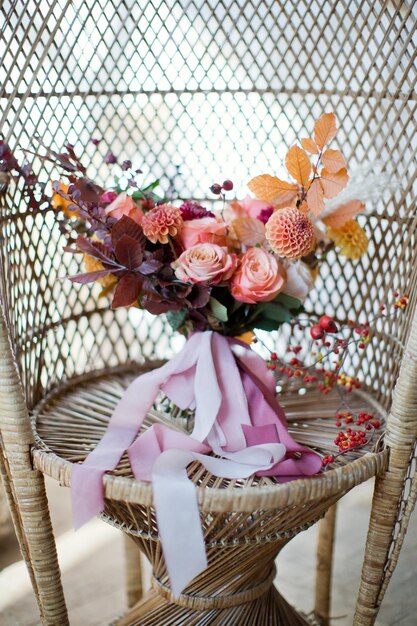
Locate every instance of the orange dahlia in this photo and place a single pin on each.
(351, 238)
(162, 222)
(290, 233)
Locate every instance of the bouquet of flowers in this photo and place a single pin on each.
(217, 274)
(247, 265)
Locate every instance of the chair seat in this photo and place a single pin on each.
(71, 420)
(245, 523)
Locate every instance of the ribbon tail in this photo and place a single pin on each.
(178, 519)
(125, 423)
(87, 498)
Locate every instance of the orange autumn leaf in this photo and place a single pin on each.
(249, 230)
(315, 198)
(325, 129)
(298, 165)
(333, 160)
(343, 214)
(309, 145)
(271, 189)
(333, 182)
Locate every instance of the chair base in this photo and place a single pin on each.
(271, 609)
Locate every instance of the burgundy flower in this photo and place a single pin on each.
(265, 214)
(194, 211)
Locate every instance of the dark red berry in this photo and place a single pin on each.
(316, 332)
(328, 324)
(95, 141)
(110, 158)
(216, 189)
(227, 185)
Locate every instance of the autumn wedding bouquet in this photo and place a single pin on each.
(218, 275)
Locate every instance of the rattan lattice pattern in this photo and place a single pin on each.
(221, 92)
(202, 89)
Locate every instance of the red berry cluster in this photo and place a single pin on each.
(349, 439)
(326, 325)
(345, 416)
(328, 381)
(363, 331)
(327, 459)
(217, 189)
(402, 302)
(368, 419)
(348, 382)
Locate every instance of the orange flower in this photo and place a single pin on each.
(162, 222)
(351, 238)
(290, 233)
(58, 202)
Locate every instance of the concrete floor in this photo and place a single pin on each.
(93, 576)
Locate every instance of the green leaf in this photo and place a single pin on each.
(177, 318)
(264, 324)
(219, 310)
(151, 186)
(288, 301)
(277, 313)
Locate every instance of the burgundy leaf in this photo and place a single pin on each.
(129, 252)
(127, 290)
(94, 249)
(88, 190)
(157, 306)
(89, 277)
(199, 296)
(71, 250)
(127, 226)
(150, 266)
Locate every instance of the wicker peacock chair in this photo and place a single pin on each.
(204, 88)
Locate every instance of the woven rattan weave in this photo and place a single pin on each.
(200, 89)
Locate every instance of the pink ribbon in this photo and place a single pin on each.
(236, 416)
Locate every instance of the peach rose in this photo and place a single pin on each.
(205, 262)
(124, 205)
(259, 277)
(204, 230)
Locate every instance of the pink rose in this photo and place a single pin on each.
(259, 277)
(204, 230)
(205, 263)
(124, 205)
(254, 207)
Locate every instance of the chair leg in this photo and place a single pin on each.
(387, 528)
(324, 566)
(25, 488)
(30, 514)
(134, 577)
(16, 519)
(392, 502)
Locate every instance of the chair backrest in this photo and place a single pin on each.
(210, 91)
